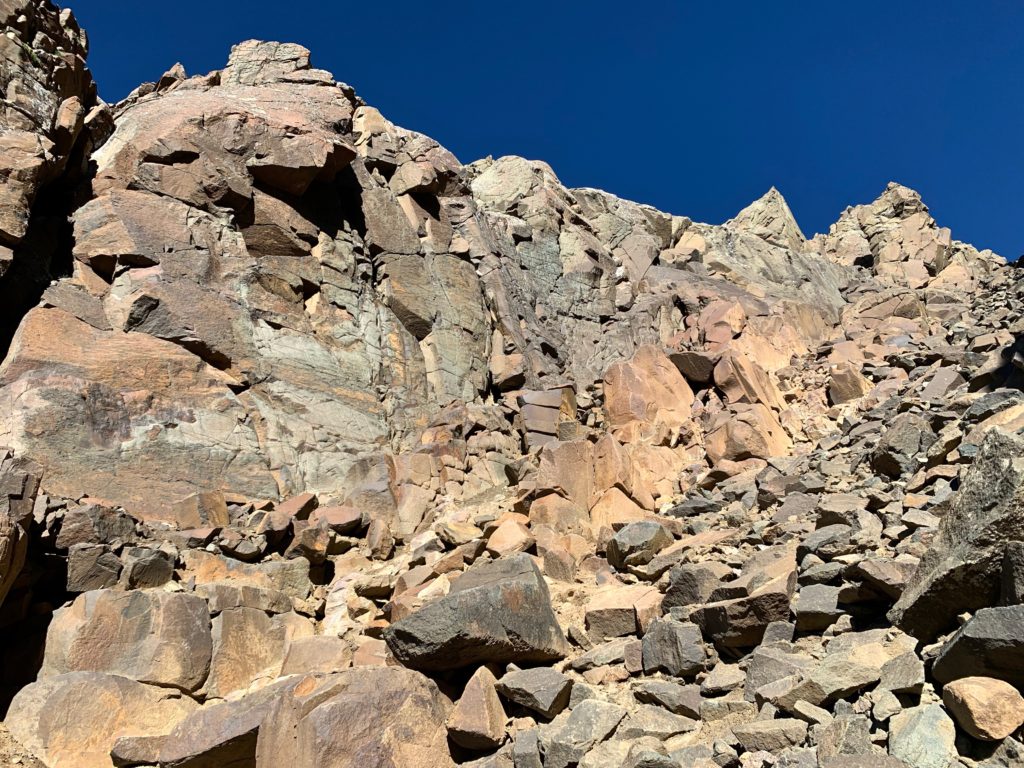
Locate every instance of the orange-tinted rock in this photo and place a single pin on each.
(646, 398)
(745, 432)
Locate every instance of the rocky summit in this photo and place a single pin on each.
(322, 448)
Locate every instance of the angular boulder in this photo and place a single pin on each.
(156, 637)
(73, 720)
(990, 644)
(498, 611)
(370, 717)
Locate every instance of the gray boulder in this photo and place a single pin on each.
(962, 570)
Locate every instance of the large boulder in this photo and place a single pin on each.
(962, 569)
(498, 611)
(73, 720)
(383, 717)
(222, 734)
(151, 636)
(989, 645)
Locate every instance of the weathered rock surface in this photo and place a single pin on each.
(74, 719)
(299, 403)
(962, 570)
(161, 638)
(498, 611)
(378, 718)
(985, 708)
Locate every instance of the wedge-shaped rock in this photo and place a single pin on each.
(371, 717)
(151, 636)
(497, 611)
(73, 720)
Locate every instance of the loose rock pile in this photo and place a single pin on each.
(328, 450)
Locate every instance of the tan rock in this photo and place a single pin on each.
(151, 636)
(390, 717)
(847, 383)
(250, 647)
(73, 720)
(620, 611)
(746, 431)
(646, 398)
(744, 381)
(986, 708)
(510, 537)
(478, 720)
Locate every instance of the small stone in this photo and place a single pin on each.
(770, 735)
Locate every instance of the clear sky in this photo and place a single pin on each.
(694, 107)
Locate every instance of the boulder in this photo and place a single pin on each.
(646, 398)
(962, 568)
(985, 708)
(923, 737)
(498, 611)
(250, 647)
(543, 689)
(988, 645)
(478, 720)
(571, 735)
(376, 717)
(151, 636)
(221, 734)
(73, 720)
(637, 543)
(673, 647)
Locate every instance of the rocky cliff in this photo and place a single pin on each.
(323, 448)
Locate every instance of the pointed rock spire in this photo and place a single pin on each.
(770, 219)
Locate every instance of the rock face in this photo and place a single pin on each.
(20, 482)
(326, 448)
(498, 612)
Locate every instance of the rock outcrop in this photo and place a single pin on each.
(325, 448)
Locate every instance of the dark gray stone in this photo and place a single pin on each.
(963, 568)
(680, 699)
(673, 647)
(991, 644)
(637, 543)
(497, 611)
(92, 566)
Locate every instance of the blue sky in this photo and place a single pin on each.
(694, 107)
